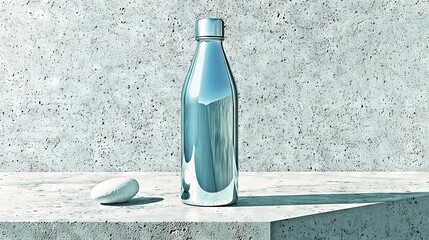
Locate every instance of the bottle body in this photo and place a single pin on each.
(209, 129)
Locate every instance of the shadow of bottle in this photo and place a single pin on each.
(315, 199)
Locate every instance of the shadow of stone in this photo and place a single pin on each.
(137, 201)
(315, 199)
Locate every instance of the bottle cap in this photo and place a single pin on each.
(209, 27)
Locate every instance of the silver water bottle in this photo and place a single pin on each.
(209, 122)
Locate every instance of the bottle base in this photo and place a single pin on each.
(219, 204)
(198, 197)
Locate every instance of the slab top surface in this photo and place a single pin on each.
(263, 197)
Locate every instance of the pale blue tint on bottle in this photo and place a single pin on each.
(209, 123)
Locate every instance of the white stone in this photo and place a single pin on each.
(115, 190)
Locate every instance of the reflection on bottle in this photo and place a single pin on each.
(209, 123)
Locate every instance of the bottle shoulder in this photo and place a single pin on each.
(209, 77)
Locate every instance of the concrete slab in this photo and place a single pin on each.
(279, 205)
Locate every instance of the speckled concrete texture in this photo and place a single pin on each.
(133, 230)
(404, 219)
(276, 205)
(323, 85)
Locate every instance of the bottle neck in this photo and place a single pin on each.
(211, 43)
(209, 39)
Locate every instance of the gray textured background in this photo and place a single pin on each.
(95, 85)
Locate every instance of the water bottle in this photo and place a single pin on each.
(209, 160)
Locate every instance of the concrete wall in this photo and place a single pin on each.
(95, 85)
